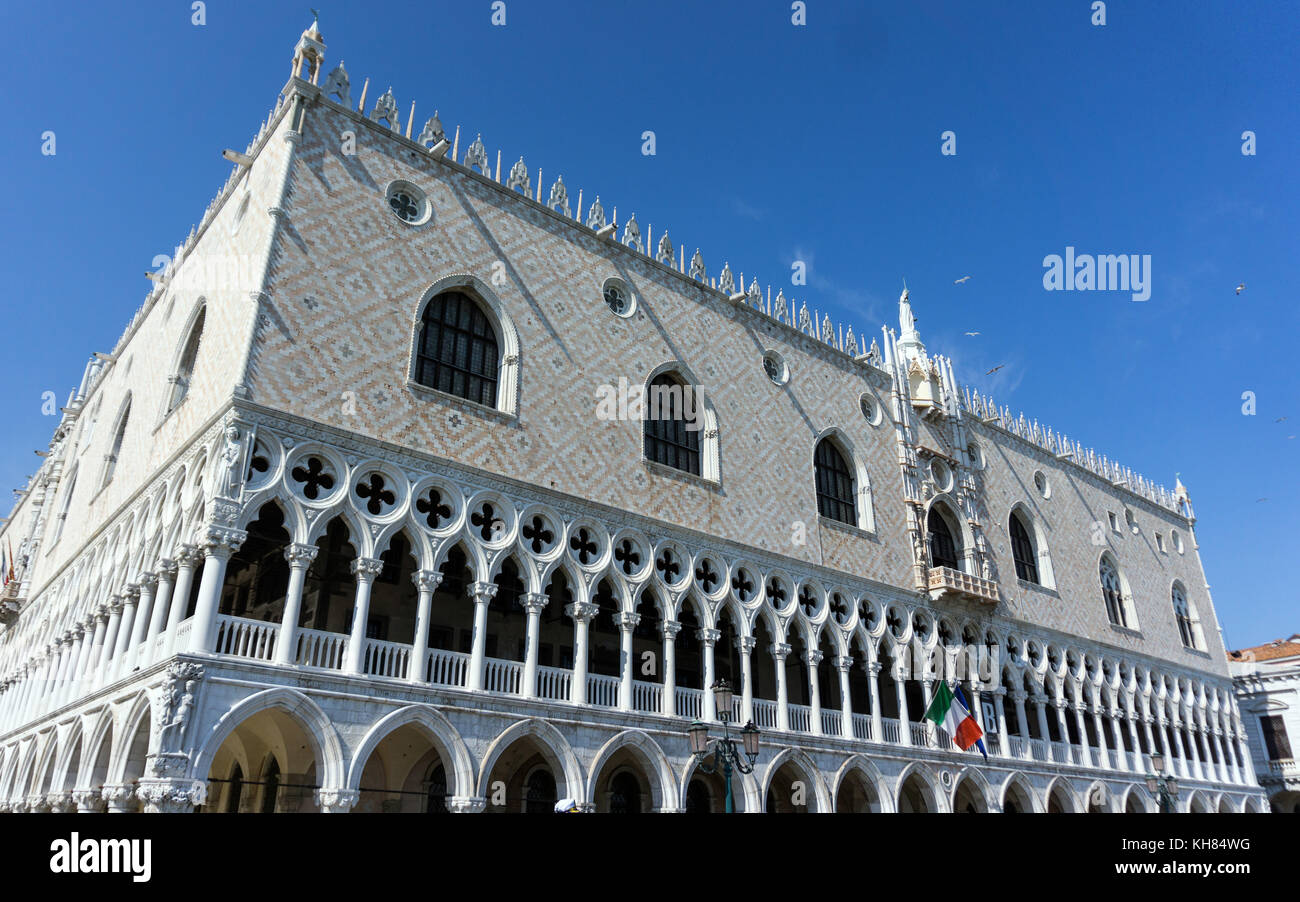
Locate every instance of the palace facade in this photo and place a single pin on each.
(354, 518)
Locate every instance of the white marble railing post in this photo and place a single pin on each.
(534, 603)
(999, 706)
(426, 582)
(365, 569)
(1022, 721)
(219, 543)
(300, 558)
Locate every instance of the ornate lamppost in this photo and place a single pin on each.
(725, 755)
(1165, 788)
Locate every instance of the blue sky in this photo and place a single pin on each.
(775, 143)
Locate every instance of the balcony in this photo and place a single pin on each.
(954, 583)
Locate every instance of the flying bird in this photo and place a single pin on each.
(1241, 287)
(995, 369)
(1279, 419)
(962, 279)
(1258, 500)
(972, 333)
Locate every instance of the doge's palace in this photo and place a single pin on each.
(420, 484)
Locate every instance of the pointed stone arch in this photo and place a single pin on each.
(1061, 789)
(553, 746)
(811, 772)
(306, 713)
(1018, 784)
(973, 776)
(749, 795)
(663, 785)
(937, 800)
(862, 767)
(445, 737)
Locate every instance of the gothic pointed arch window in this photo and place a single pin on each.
(943, 546)
(119, 433)
(65, 505)
(457, 350)
(1118, 607)
(1022, 549)
(1189, 626)
(836, 488)
(672, 424)
(180, 379)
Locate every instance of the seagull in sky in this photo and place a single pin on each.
(1279, 419)
(962, 279)
(1241, 286)
(972, 334)
(995, 369)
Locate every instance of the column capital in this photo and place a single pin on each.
(337, 801)
(148, 581)
(426, 580)
(581, 610)
(746, 644)
(88, 800)
(466, 804)
(188, 555)
(671, 628)
(627, 621)
(166, 568)
(780, 649)
(1000, 691)
(301, 555)
(483, 592)
(534, 602)
(815, 657)
(131, 593)
(222, 541)
(118, 796)
(708, 636)
(169, 796)
(366, 568)
(843, 663)
(78, 631)
(874, 668)
(115, 605)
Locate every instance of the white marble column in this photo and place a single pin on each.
(482, 593)
(219, 543)
(708, 639)
(779, 652)
(873, 684)
(1022, 721)
(670, 630)
(426, 583)
(745, 645)
(534, 603)
(110, 641)
(814, 693)
(365, 569)
(581, 612)
(300, 557)
(187, 562)
(161, 604)
(627, 665)
(842, 664)
(143, 611)
(999, 705)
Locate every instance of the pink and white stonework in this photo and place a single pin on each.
(491, 606)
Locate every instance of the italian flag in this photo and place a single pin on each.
(949, 712)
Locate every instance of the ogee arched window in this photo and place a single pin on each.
(1022, 549)
(835, 488)
(672, 424)
(457, 352)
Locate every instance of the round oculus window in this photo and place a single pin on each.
(408, 203)
(774, 366)
(618, 298)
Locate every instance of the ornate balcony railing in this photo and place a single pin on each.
(831, 721)
(690, 703)
(502, 676)
(387, 659)
(947, 581)
(764, 714)
(648, 697)
(245, 638)
(1283, 767)
(602, 690)
(800, 718)
(862, 726)
(447, 668)
(553, 683)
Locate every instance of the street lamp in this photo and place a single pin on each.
(725, 755)
(1165, 788)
